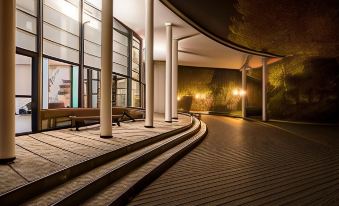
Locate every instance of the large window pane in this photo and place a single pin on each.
(135, 94)
(61, 29)
(121, 91)
(29, 6)
(60, 51)
(26, 24)
(23, 94)
(59, 84)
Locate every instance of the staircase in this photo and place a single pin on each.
(110, 179)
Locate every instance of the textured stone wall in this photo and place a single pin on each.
(304, 89)
(208, 89)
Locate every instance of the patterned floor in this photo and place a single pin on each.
(248, 163)
(43, 153)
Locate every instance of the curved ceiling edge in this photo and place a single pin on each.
(214, 37)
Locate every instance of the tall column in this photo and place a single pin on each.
(106, 69)
(243, 93)
(264, 89)
(168, 92)
(174, 79)
(149, 63)
(7, 80)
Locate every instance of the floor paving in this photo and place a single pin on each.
(248, 163)
(43, 153)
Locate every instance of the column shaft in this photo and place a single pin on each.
(168, 89)
(175, 79)
(7, 80)
(243, 97)
(106, 69)
(264, 89)
(149, 5)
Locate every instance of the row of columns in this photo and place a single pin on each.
(264, 90)
(7, 74)
(171, 72)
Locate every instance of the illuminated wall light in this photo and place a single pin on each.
(197, 96)
(238, 92)
(178, 98)
(235, 92)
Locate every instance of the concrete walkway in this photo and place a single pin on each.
(41, 154)
(248, 163)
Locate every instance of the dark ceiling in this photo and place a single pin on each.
(282, 28)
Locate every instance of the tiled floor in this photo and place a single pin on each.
(43, 153)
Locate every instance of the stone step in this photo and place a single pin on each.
(46, 183)
(123, 190)
(77, 190)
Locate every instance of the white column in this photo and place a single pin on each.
(243, 87)
(174, 79)
(168, 82)
(106, 69)
(149, 63)
(7, 80)
(264, 89)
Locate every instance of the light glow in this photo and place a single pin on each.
(238, 92)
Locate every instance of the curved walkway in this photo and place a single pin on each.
(247, 163)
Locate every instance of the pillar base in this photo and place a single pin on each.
(7, 160)
(106, 137)
(175, 118)
(148, 126)
(168, 121)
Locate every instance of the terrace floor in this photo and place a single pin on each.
(41, 154)
(250, 163)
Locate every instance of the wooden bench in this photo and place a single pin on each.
(80, 121)
(55, 118)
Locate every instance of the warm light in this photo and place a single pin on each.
(242, 92)
(178, 98)
(238, 92)
(200, 96)
(235, 92)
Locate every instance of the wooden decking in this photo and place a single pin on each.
(246, 163)
(41, 154)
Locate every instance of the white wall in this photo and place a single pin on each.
(159, 86)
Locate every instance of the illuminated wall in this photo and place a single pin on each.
(304, 89)
(208, 89)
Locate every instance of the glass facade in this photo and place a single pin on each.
(69, 40)
(23, 94)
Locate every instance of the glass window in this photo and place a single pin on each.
(61, 29)
(57, 84)
(135, 94)
(23, 94)
(29, 6)
(121, 91)
(92, 42)
(136, 58)
(26, 24)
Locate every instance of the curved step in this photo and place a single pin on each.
(122, 191)
(76, 190)
(39, 186)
